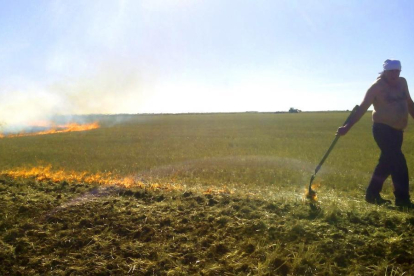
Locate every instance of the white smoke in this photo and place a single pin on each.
(109, 91)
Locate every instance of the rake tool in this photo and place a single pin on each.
(311, 193)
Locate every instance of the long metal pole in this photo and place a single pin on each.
(331, 147)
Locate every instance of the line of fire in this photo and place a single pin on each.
(52, 129)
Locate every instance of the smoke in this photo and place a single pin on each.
(110, 91)
(115, 89)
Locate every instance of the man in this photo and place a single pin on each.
(392, 103)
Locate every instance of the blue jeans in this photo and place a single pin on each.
(391, 162)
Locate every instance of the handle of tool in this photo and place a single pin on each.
(334, 141)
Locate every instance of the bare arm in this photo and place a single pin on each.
(363, 107)
(410, 102)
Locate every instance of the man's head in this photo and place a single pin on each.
(392, 64)
(392, 69)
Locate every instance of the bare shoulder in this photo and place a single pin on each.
(372, 93)
(403, 81)
(377, 86)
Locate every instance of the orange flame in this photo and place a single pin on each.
(71, 127)
(315, 186)
(213, 191)
(45, 173)
(312, 196)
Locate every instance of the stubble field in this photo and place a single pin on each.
(206, 194)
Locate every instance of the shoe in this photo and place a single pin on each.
(377, 200)
(406, 203)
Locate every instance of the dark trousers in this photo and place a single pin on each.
(391, 162)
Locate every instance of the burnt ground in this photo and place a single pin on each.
(77, 229)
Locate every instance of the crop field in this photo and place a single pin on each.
(200, 194)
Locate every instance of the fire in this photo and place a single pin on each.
(315, 186)
(45, 173)
(212, 191)
(312, 194)
(71, 127)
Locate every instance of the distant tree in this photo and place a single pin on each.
(294, 110)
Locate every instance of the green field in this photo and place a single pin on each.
(259, 226)
(254, 151)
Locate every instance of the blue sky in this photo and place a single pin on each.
(162, 56)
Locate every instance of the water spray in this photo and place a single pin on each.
(311, 194)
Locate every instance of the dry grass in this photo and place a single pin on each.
(79, 229)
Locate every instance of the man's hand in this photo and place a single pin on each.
(342, 130)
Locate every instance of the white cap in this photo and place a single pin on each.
(392, 64)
